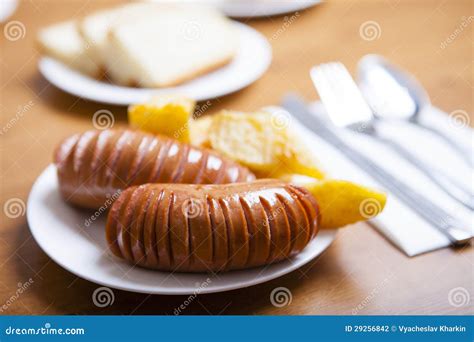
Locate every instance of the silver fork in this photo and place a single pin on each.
(432, 213)
(347, 107)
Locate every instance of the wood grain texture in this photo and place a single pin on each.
(361, 273)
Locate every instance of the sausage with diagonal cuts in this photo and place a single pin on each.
(93, 167)
(209, 228)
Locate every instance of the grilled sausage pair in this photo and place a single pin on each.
(183, 227)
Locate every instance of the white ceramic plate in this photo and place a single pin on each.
(252, 60)
(60, 231)
(262, 8)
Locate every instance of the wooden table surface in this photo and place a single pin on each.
(361, 273)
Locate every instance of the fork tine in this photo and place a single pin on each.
(340, 95)
(324, 88)
(355, 101)
(341, 91)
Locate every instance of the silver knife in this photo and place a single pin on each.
(438, 217)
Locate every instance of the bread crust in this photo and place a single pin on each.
(191, 76)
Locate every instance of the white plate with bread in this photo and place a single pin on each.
(129, 53)
(82, 249)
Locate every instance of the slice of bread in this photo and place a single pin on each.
(169, 44)
(95, 27)
(63, 42)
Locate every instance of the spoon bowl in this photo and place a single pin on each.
(394, 94)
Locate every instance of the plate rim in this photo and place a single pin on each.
(264, 10)
(44, 60)
(183, 291)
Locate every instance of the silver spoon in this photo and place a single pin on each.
(394, 94)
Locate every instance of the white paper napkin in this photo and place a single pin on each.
(401, 225)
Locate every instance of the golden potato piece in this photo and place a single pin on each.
(341, 202)
(167, 115)
(255, 141)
